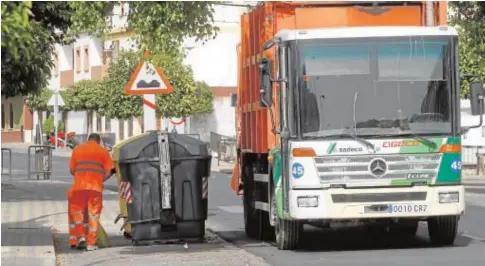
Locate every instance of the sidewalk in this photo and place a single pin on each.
(33, 210)
(24, 146)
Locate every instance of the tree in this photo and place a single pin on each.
(16, 29)
(84, 95)
(26, 67)
(38, 102)
(189, 97)
(159, 26)
(114, 103)
(469, 17)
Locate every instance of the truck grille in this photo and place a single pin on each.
(394, 166)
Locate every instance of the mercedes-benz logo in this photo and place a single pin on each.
(378, 167)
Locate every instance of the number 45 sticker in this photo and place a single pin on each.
(456, 165)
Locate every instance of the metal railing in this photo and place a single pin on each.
(473, 156)
(42, 162)
(9, 172)
(223, 146)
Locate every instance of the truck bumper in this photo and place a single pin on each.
(377, 203)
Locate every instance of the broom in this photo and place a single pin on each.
(102, 237)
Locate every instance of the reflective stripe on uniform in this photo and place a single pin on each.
(72, 226)
(94, 217)
(79, 222)
(93, 229)
(89, 170)
(72, 238)
(83, 166)
(90, 162)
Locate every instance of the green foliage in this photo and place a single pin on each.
(469, 17)
(48, 125)
(188, 98)
(16, 29)
(84, 95)
(26, 66)
(38, 101)
(159, 26)
(114, 103)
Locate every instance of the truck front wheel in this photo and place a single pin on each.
(443, 229)
(288, 233)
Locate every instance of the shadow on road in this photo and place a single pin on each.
(319, 240)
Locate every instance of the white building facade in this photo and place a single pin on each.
(88, 58)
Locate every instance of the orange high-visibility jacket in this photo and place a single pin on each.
(90, 163)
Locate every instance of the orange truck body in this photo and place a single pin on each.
(253, 123)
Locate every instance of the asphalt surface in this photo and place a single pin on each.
(320, 247)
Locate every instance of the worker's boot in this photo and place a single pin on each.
(81, 243)
(91, 247)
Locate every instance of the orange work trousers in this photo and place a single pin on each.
(72, 235)
(93, 201)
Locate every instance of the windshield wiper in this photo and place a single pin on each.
(431, 144)
(404, 125)
(360, 140)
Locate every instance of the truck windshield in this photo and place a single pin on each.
(375, 87)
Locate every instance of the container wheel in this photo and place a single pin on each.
(288, 233)
(443, 229)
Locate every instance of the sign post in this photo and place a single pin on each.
(148, 80)
(56, 101)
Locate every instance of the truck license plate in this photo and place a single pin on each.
(407, 208)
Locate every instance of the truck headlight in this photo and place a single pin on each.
(449, 197)
(308, 201)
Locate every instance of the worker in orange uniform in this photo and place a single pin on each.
(72, 235)
(90, 165)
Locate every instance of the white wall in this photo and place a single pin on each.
(221, 121)
(95, 52)
(215, 61)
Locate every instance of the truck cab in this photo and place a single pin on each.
(356, 124)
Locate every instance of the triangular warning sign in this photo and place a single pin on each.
(148, 79)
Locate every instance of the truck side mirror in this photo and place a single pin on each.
(477, 93)
(266, 88)
(233, 99)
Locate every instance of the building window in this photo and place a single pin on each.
(107, 124)
(130, 127)
(3, 116)
(56, 64)
(464, 136)
(77, 60)
(99, 123)
(86, 59)
(10, 118)
(122, 9)
(483, 132)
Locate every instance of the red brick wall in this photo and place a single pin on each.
(28, 118)
(11, 136)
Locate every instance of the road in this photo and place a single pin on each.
(329, 248)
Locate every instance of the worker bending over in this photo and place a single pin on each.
(90, 165)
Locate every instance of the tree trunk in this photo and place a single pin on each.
(90, 121)
(39, 130)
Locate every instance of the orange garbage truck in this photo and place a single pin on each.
(347, 114)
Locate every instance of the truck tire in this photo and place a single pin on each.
(443, 229)
(251, 215)
(288, 233)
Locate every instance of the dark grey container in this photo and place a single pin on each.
(190, 163)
